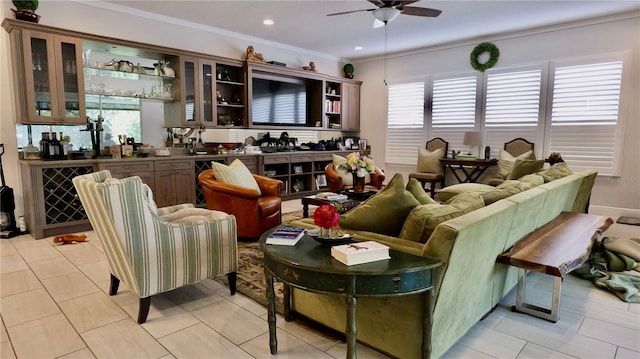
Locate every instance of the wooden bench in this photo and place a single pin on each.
(556, 249)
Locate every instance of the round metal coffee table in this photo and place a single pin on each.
(309, 266)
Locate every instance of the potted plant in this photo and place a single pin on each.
(25, 10)
(348, 71)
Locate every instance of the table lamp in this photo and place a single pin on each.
(471, 139)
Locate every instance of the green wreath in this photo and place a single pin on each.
(493, 51)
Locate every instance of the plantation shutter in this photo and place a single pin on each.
(454, 109)
(585, 115)
(513, 108)
(405, 122)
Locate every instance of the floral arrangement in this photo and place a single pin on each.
(358, 163)
(326, 216)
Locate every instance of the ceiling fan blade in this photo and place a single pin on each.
(349, 12)
(420, 11)
(391, 3)
(378, 3)
(377, 24)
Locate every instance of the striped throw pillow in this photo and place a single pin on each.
(236, 174)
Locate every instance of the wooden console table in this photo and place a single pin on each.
(556, 249)
(472, 168)
(309, 266)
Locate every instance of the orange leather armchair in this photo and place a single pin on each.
(254, 214)
(336, 184)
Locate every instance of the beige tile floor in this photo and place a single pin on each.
(54, 304)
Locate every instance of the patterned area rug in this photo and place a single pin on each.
(250, 281)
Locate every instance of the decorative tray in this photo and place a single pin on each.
(332, 241)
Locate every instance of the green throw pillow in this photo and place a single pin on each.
(533, 179)
(498, 194)
(447, 193)
(506, 161)
(522, 167)
(416, 189)
(383, 213)
(424, 219)
(555, 172)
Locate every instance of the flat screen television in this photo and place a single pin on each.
(278, 102)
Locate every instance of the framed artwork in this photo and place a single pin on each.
(362, 144)
(321, 181)
(297, 169)
(349, 142)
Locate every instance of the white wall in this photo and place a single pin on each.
(133, 26)
(621, 33)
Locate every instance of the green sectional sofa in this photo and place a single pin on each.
(467, 286)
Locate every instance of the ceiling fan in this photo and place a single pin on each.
(390, 9)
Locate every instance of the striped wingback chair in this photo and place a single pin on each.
(154, 250)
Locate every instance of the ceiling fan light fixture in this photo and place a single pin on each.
(386, 14)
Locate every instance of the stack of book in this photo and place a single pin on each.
(330, 196)
(360, 252)
(286, 236)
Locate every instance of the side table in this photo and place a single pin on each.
(310, 267)
(472, 168)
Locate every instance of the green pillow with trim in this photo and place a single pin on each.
(555, 172)
(447, 193)
(385, 212)
(424, 219)
(522, 167)
(415, 187)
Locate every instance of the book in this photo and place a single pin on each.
(286, 236)
(330, 196)
(360, 252)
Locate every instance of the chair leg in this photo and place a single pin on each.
(433, 189)
(231, 277)
(143, 312)
(115, 283)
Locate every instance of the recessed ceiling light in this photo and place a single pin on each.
(267, 22)
(358, 48)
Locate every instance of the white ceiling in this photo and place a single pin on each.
(304, 24)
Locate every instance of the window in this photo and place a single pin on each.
(567, 106)
(513, 107)
(405, 119)
(454, 108)
(584, 120)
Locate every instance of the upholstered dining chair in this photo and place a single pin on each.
(255, 211)
(154, 250)
(430, 170)
(512, 149)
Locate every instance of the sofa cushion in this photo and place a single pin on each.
(498, 193)
(523, 167)
(383, 213)
(429, 161)
(187, 215)
(235, 174)
(447, 193)
(418, 192)
(347, 177)
(424, 219)
(555, 172)
(506, 160)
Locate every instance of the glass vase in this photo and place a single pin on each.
(325, 232)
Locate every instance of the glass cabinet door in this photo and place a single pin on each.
(39, 76)
(209, 106)
(189, 80)
(69, 70)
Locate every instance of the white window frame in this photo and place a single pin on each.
(616, 166)
(411, 137)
